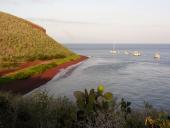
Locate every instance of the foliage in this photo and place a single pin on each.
(92, 101)
(28, 72)
(36, 111)
(99, 109)
(5, 112)
(163, 121)
(39, 110)
(125, 107)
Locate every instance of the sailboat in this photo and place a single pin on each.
(157, 55)
(113, 51)
(136, 53)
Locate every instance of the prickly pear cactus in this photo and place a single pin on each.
(100, 89)
(93, 101)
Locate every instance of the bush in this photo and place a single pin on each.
(36, 111)
(5, 112)
(40, 110)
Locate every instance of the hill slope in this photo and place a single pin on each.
(21, 40)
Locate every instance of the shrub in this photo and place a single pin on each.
(39, 110)
(36, 111)
(125, 107)
(163, 121)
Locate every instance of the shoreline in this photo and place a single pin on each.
(24, 86)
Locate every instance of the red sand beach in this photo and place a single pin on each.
(27, 85)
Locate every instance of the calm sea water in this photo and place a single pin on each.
(137, 79)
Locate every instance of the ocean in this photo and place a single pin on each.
(135, 78)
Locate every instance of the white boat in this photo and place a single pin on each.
(113, 51)
(136, 53)
(157, 55)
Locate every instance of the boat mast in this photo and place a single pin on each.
(114, 45)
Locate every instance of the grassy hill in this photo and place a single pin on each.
(21, 40)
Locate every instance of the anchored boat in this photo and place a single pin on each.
(136, 53)
(157, 55)
(113, 51)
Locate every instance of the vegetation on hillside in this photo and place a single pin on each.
(34, 70)
(21, 40)
(93, 109)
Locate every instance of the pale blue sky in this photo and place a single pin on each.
(97, 21)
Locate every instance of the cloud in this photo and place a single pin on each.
(41, 1)
(8, 2)
(61, 21)
(18, 2)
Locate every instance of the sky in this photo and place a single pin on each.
(97, 21)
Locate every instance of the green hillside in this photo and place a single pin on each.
(21, 40)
